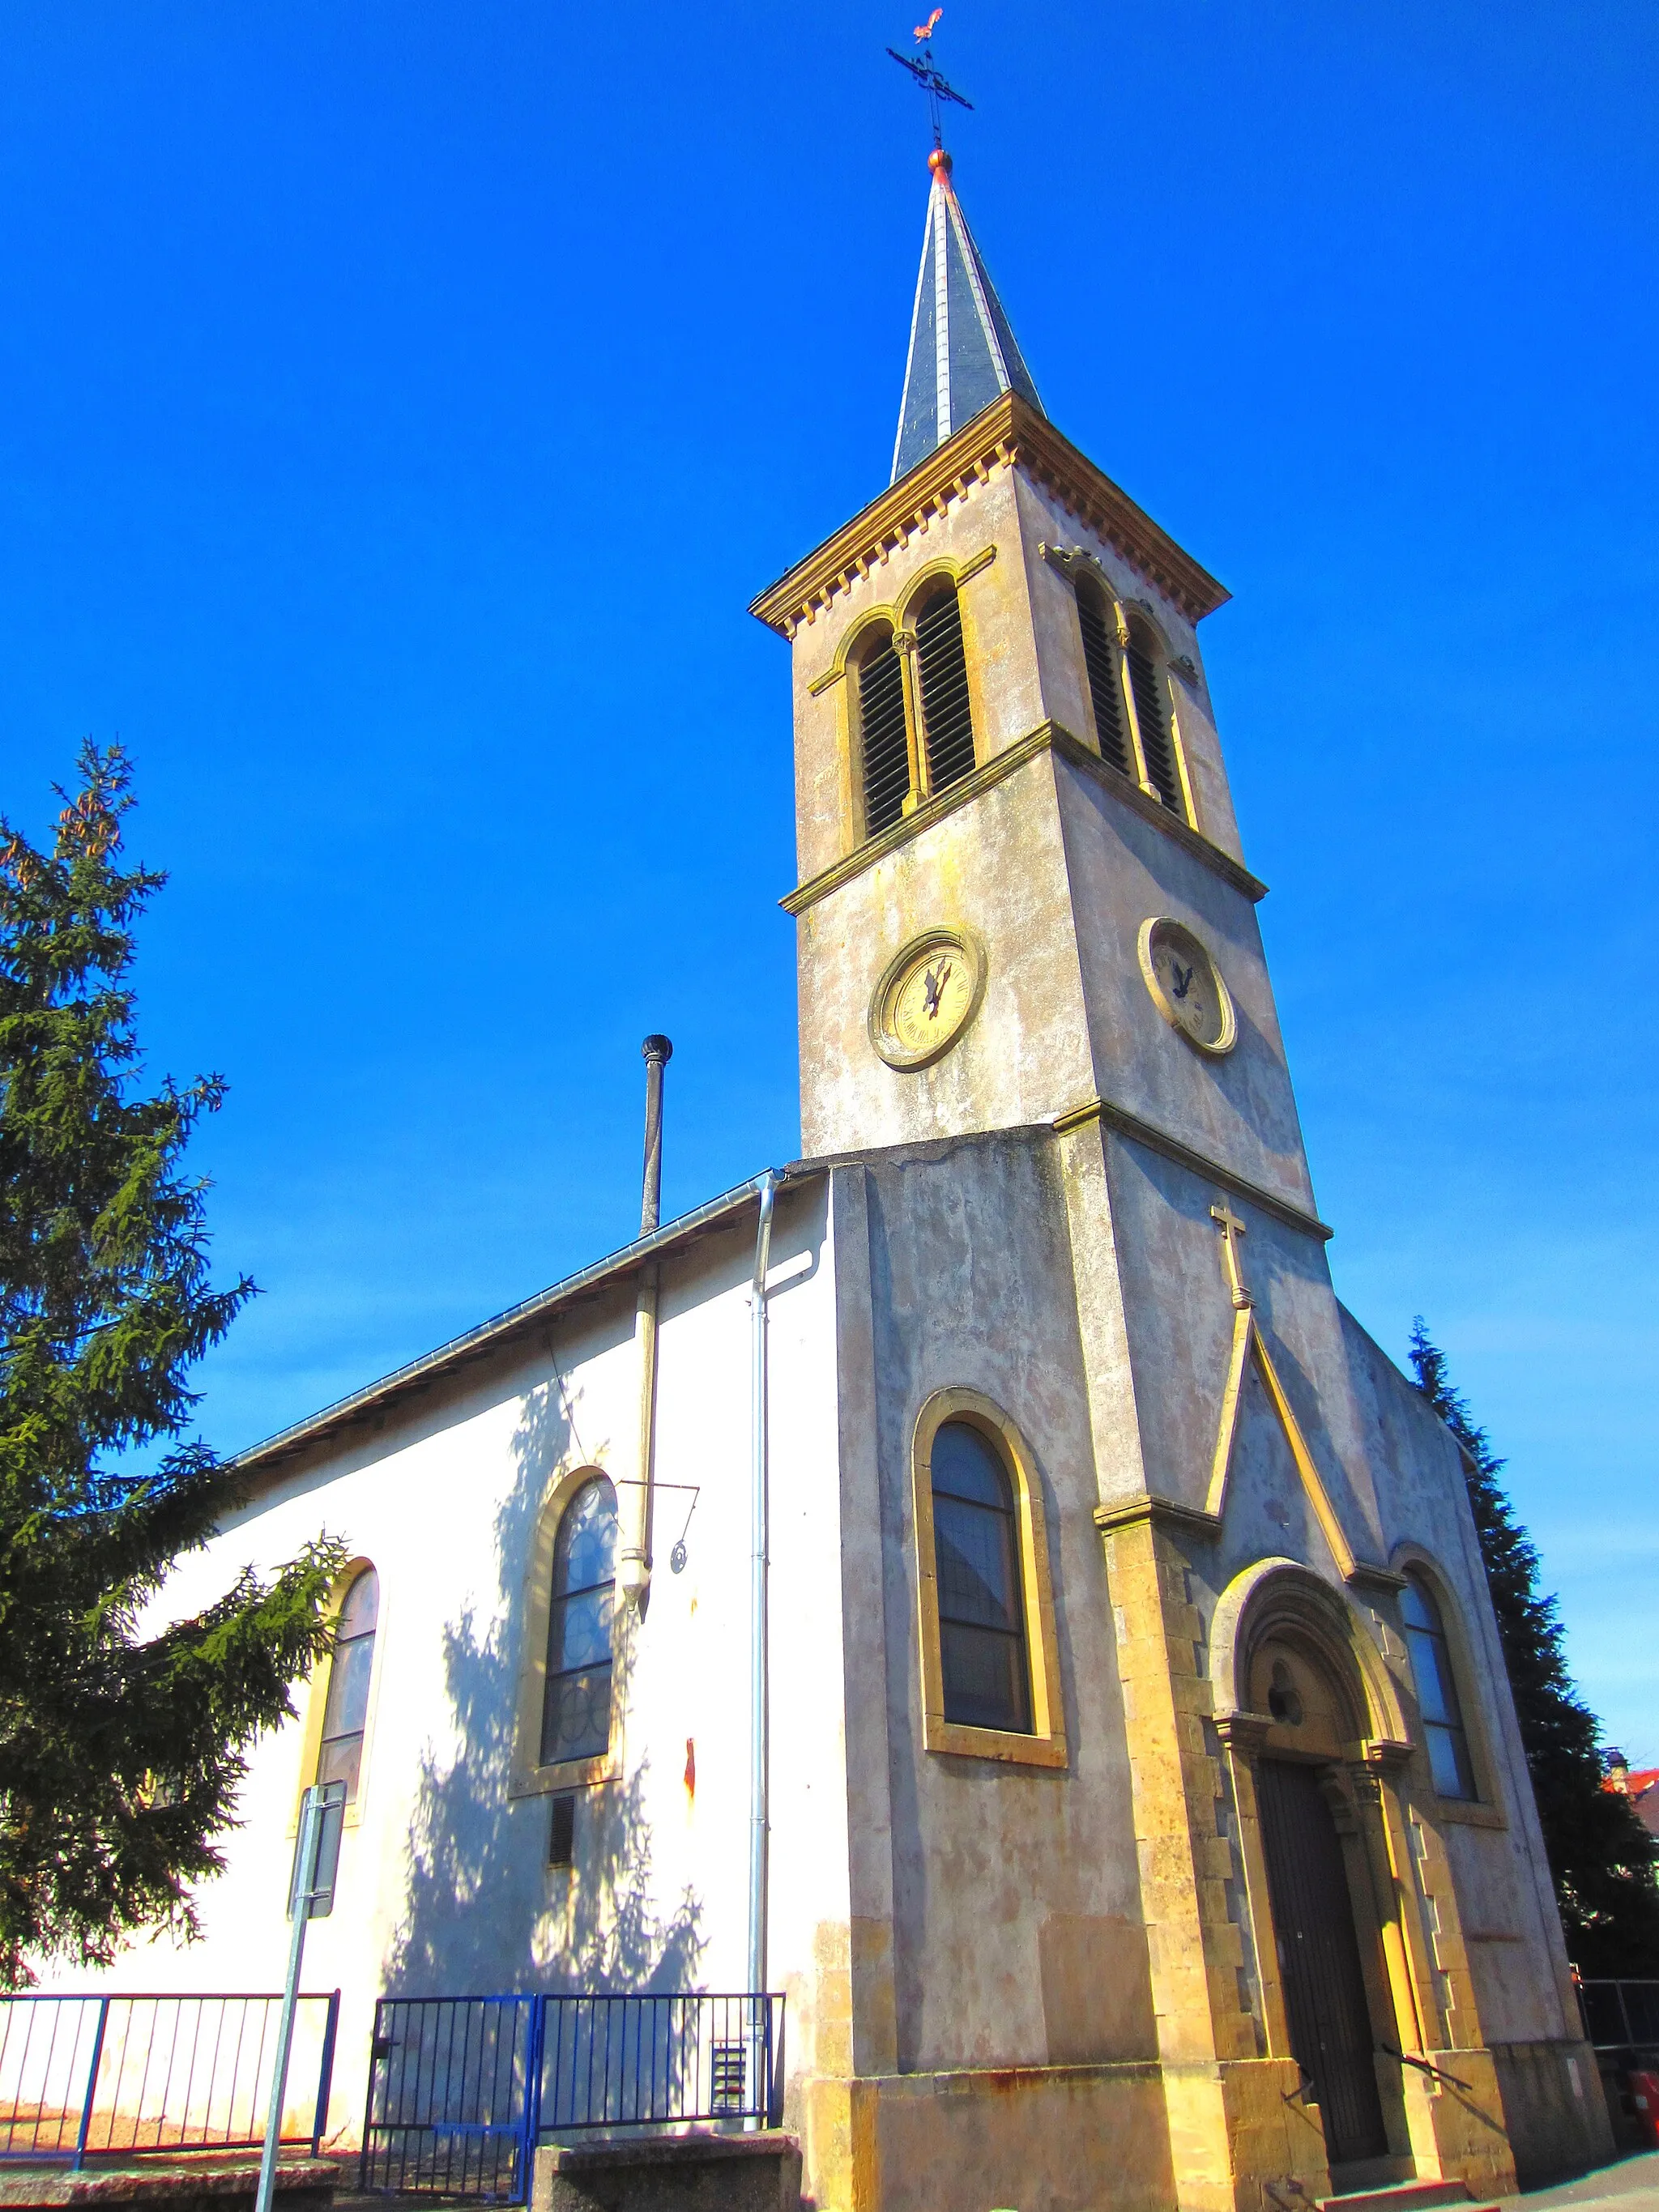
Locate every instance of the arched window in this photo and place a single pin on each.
(1436, 1690)
(1146, 681)
(916, 737)
(576, 1706)
(1097, 622)
(947, 721)
(886, 746)
(982, 1626)
(340, 1754)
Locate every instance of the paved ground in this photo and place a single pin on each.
(1631, 2185)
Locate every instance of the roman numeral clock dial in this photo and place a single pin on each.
(925, 998)
(1186, 985)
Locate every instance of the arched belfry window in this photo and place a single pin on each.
(947, 721)
(1436, 1690)
(576, 1703)
(345, 1711)
(984, 1664)
(884, 732)
(1150, 688)
(1097, 619)
(915, 723)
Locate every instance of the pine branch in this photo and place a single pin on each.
(122, 1748)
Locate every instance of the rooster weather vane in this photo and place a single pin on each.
(922, 66)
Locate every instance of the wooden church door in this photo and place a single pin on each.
(1330, 2022)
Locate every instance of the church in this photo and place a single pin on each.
(975, 1580)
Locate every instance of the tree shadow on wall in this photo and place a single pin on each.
(482, 1911)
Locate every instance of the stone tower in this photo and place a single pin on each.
(1034, 1004)
(1084, 795)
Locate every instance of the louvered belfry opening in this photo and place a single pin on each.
(1105, 689)
(1152, 714)
(947, 721)
(881, 729)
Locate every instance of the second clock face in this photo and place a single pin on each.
(925, 1000)
(1186, 985)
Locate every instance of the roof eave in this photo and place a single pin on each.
(492, 1336)
(1010, 431)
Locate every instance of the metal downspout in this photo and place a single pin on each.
(757, 1683)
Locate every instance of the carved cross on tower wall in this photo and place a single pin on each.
(1231, 1230)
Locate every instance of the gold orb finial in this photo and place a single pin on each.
(939, 162)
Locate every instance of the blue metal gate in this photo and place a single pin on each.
(462, 2089)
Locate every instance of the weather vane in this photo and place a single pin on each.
(922, 66)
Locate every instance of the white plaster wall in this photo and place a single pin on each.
(443, 1886)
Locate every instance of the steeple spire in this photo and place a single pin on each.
(962, 354)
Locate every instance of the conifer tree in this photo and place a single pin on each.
(124, 1734)
(1605, 1863)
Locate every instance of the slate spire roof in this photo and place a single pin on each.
(962, 354)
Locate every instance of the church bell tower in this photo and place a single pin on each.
(1021, 889)
(1073, 1227)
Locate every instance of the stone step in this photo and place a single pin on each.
(1404, 2197)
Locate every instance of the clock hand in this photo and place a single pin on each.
(1182, 979)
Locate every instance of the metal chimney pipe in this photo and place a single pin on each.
(658, 1052)
(634, 1563)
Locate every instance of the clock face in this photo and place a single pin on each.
(925, 999)
(1186, 985)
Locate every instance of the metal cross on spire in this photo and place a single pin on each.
(922, 66)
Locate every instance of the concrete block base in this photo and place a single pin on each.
(759, 2172)
(1065, 2138)
(1556, 2117)
(210, 2184)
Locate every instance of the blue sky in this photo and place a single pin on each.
(399, 406)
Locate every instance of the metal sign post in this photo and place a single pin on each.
(311, 1897)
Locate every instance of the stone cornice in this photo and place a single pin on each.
(1140, 1131)
(1366, 1575)
(1047, 736)
(1130, 1511)
(1009, 433)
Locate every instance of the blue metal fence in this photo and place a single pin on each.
(127, 2076)
(462, 2089)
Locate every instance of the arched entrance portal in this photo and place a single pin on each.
(1313, 1725)
(1324, 1985)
